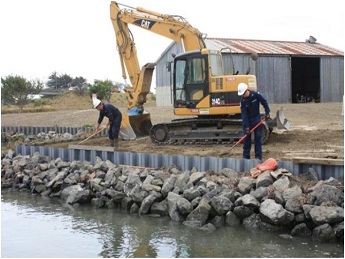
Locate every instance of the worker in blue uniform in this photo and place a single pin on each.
(115, 117)
(250, 113)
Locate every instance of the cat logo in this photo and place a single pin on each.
(146, 24)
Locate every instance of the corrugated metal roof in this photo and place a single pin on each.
(273, 47)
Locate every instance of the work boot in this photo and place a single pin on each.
(116, 144)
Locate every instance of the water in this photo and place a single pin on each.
(38, 227)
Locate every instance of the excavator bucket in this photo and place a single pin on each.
(282, 122)
(135, 126)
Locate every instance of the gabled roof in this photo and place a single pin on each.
(309, 48)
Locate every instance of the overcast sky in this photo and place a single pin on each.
(77, 38)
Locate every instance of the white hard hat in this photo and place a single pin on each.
(96, 102)
(242, 87)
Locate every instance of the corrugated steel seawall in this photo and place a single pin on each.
(181, 162)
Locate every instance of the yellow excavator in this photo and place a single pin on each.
(201, 91)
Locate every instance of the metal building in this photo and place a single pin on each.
(287, 72)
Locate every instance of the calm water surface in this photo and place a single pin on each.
(38, 227)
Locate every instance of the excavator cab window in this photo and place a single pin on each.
(216, 64)
(190, 81)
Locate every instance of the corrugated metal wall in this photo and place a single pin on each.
(164, 96)
(164, 76)
(238, 62)
(331, 79)
(273, 75)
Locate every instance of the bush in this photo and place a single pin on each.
(40, 102)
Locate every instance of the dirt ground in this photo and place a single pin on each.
(317, 130)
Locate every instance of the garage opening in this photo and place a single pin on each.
(305, 79)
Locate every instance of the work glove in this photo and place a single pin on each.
(267, 117)
(248, 132)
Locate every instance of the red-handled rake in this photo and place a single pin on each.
(246, 135)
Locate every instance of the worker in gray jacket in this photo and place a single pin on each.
(115, 117)
(250, 113)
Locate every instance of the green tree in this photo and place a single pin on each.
(57, 82)
(15, 90)
(102, 89)
(80, 85)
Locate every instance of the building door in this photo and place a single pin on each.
(305, 79)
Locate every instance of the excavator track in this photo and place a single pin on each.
(200, 131)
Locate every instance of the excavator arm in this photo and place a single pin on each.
(137, 121)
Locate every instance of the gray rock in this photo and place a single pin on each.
(339, 230)
(252, 222)
(293, 205)
(250, 201)
(301, 230)
(126, 203)
(168, 185)
(196, 177)
(98, 202)
(322, 214)
(231, 219)
(184, 206)
(132, 182)
(326, 193)
(191, 194)
(138, 194)
(209, 227)
(218, 221)
(307, 208)
(160, 208)
(200, 213)
(174, 213)
(147, 202)
(230, 173)
(282, 183)
(292, 192)
(221, 204)
(276, 213)
(324, 233)
(259, 193)
(242, 212)
(246, 184)
(264, 180)
(134, 208)
(182, 180)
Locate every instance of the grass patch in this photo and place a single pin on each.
(15, 109)
(72, 101)
(88, 125)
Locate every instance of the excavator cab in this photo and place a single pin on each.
(191, 79)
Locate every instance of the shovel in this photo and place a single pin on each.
(246, 135)
(94, 134)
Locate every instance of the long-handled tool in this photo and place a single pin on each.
(94, 134)
(246, 135)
